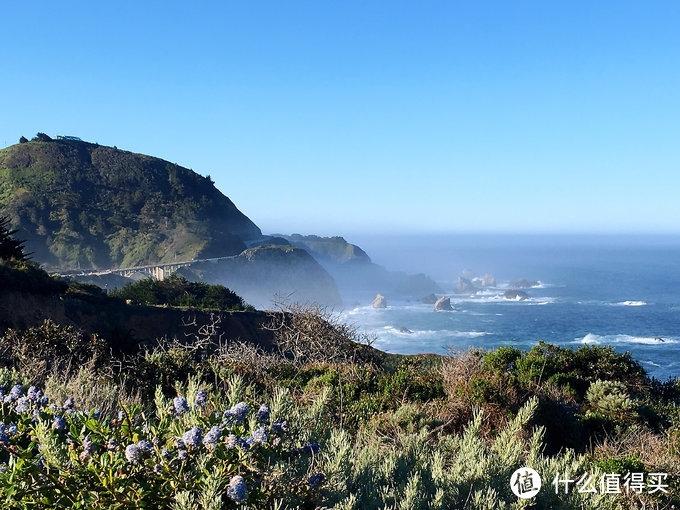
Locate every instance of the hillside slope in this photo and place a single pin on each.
(263, 274)
(82, 205)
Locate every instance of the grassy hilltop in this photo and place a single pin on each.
(79, 204)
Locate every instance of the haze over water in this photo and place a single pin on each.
(604, 290)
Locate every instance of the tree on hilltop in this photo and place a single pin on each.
(10, 248)
(42, 137)
(23, 139)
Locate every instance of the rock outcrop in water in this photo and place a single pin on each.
(379, 301)
(467, 274)
(430, 299)
(464, 286)
(523, 283)
(443, 304)
(488, 281)
(517, 295)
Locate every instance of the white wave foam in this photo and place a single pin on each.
(431, 333)
(499, 298)
(631, 303)
(591, 338)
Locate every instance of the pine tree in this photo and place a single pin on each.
(10, 248)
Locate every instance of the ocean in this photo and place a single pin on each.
(622, 291)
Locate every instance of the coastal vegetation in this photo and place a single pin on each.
(318, 419)
(178, 291)
(208, 425)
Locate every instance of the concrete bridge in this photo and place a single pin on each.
(157, 271)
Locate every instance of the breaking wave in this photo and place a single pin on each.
(591, 338)
(433, 334)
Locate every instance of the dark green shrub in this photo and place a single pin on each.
(52, 348)
(178, 291)
(502, 359)
(10, 248)
(622, 465)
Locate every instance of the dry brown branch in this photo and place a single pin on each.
(311, 333)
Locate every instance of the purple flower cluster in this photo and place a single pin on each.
(88, 445)
(212, 437)
(112, 445)
(192, 437)
(33, 393)
(133, 453)
(23, 405)
(263, 413)
(180, 405)
(58, 423)
(201, 398)
(136, 451)
(88, 449)
(15, 392)
(231, 441)
(237, 413)
(309, 449)
(316, 480)
(260, 435)
(279, 427)
(145, 446)
(237, 490)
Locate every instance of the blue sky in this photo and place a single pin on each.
(367, 117)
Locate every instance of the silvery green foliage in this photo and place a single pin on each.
(299, 456)
(211, 495)
(53, 451)
(609, 399)
(183, 501)
(419, 471)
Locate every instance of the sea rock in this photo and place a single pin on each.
(488, 281)
(443, 304)
(464, 286)
(430, 299)
(404, 329)
(523, 283)
(379, 301)
(467, 274)
(517, 295)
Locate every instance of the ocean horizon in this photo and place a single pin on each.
(591, 290)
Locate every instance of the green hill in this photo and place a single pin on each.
(82, 205)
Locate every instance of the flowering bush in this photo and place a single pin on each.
(55, 455)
